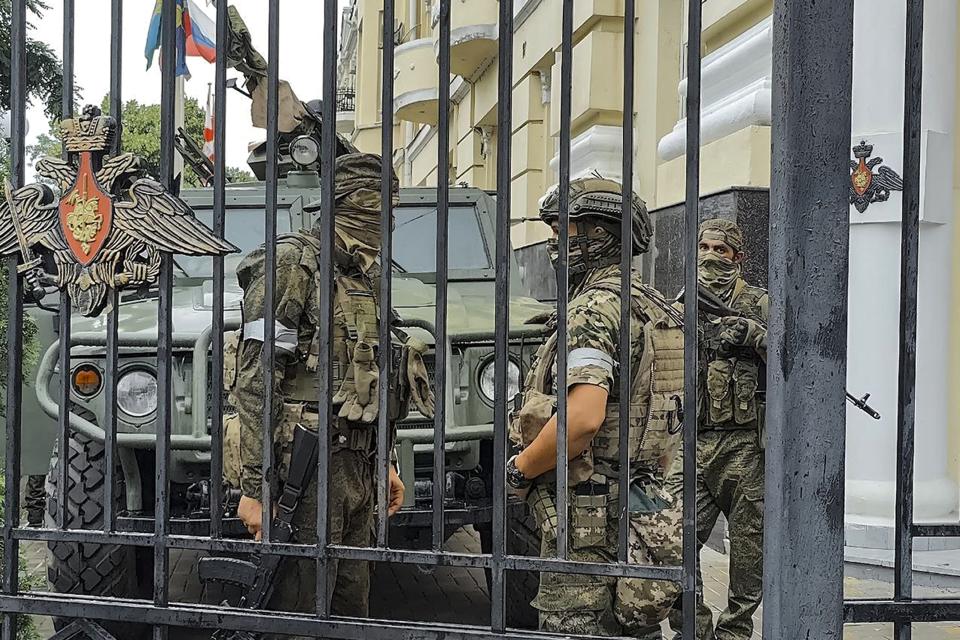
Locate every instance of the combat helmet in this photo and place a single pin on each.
(597, 201)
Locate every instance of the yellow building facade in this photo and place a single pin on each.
(737, 82)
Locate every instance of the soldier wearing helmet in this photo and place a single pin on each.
(730, 457)
(355, 373)
(599, 605)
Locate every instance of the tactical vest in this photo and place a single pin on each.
(656, 389)
(355, 338)
(733, 388)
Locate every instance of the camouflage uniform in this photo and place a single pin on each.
(355, 335)
(730, 457)
(597, 605)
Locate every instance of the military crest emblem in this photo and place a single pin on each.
(870, 181)
(106, 230)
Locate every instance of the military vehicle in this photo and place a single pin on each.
(115, 570)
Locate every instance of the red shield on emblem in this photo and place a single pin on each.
(86, 212)
(861, 178)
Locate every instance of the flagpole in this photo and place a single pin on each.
(179, 119)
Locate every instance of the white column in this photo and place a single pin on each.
(875, 273)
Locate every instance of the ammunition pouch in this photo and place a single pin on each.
(734, 397)
(589, 506)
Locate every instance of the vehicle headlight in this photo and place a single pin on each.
(486, 380)
(137, 393)
(87, 381)
(304, 150)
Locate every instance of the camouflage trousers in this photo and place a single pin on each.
(350, 513)
(598, 605)
(729, 481)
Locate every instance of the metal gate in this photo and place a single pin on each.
(803, 590)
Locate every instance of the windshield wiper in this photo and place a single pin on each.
(415, 218)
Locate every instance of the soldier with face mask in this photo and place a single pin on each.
(355, 373)
(730, 459)
(599, 605)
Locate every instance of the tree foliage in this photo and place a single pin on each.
(141, 132)
(26, 626)
(44, 70)
(141, 135)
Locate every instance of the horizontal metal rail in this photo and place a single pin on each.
(865, 611)
(211, 617)
(945, 530)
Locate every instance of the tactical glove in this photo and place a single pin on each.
(366, 376)
(346, 397)
(743, 332)
(417, 378)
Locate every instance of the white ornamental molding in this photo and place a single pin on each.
(736, 91)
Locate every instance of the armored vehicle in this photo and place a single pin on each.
(114, 570)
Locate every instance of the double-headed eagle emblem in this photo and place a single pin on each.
(109, 226)
(866, 185)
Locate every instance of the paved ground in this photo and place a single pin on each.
(406, 592)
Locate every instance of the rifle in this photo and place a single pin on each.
(711, 304)
(257, 575)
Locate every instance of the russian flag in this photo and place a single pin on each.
(196, 35)
(201, 32)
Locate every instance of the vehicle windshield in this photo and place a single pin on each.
(415, 240)
(244, 230)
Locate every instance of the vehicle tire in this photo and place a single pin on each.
(89, 569)
(523, 539)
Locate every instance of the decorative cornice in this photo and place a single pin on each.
(736, 91)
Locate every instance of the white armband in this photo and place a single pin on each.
(284, 337)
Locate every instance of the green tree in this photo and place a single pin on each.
(141, 132)
(236, 174)
(26, 626)
(141, 135)
(44, 71)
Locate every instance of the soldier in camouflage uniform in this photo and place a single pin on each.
(598, 605)
(355, 377)
(730, 457)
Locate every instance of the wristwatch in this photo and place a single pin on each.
(515, 477)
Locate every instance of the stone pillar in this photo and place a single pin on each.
(875, 273)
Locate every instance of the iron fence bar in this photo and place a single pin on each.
(386, 274)
(936, 530)
(209, 617)
(111, 357)
(269, 353)
(219, 230)
(443, 214)
(905, 611)
(806, 367)
(328, 129)
(690, 323)
(65, 310)
(14, 391)
(566, 75)
(502, 322)
(907, 369)
(626, 268)
(161, 554)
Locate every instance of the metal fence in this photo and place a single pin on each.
(804, 544)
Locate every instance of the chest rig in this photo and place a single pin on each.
(656, 388)
(732, 393)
